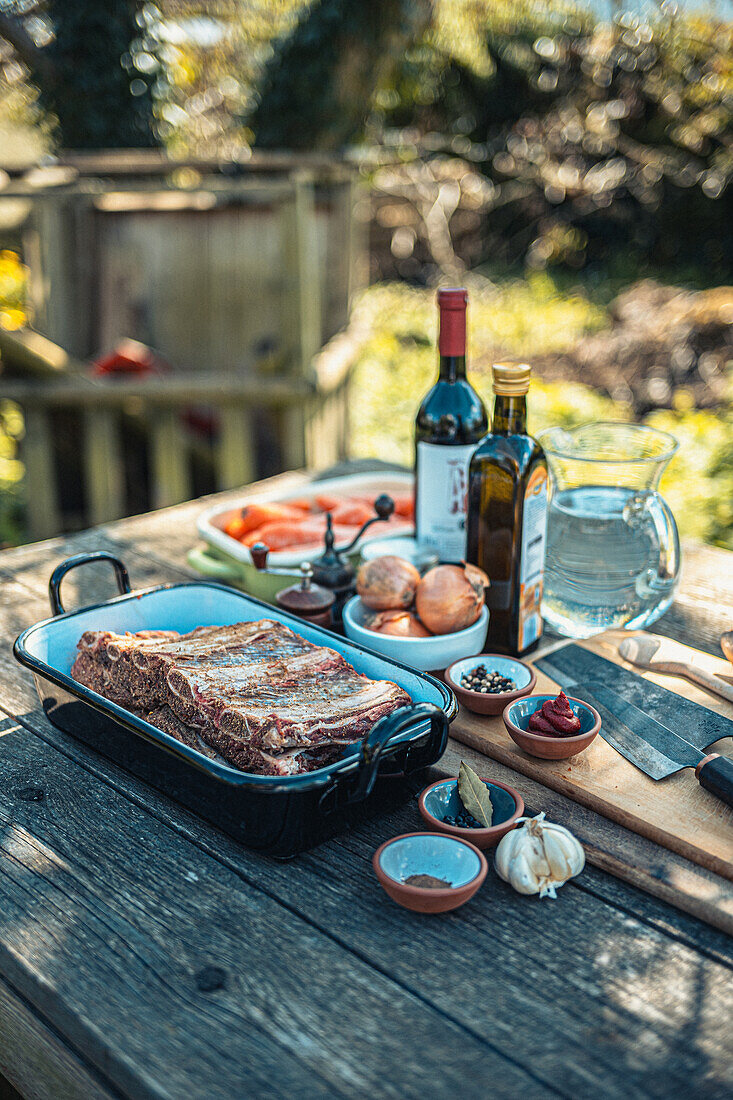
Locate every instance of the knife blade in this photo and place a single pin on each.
(564, 679)
(573, 666)
(617, 732)
(649, 744)
(653, 747)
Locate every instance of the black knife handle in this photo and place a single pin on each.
(716, 775)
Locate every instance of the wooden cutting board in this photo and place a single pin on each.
(675, 812)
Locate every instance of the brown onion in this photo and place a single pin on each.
(447, 599)
(478, 578)
(387, 583)
(402, 624)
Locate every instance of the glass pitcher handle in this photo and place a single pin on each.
(649, 509)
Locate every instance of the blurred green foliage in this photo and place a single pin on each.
(526, 318)
(596, 136)
(213, 57)
(317, 91)
(11, 474)
(699, 481)
(97, 89)
(592, 136)
(13, 282)
(81, 70)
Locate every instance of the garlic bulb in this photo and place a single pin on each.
(538, 857)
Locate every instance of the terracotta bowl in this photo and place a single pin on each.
(523, 676)
(444, 857)
(516, 718)
(441, 799)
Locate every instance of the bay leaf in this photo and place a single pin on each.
(474, 794)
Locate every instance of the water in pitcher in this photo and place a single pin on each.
(603, 561)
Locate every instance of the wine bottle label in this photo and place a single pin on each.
(442, 483)
(532, 560)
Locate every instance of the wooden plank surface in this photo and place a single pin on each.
(112, 926)
(327, 987)
(675, 812)
(40, 1065)
(703, 606)
(113, 921)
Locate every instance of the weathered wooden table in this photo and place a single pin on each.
(143, 954)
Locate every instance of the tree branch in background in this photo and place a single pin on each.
(101, 98)
(32, 56)
(93, 76)
(318, 90)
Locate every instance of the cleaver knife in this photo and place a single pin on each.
(648, 744)
(655, 748)
(574, 667)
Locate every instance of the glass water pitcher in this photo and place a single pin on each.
(613, 551)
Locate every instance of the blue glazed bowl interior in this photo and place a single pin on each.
(522, 710)
(435, 854)
(505, 666)
(444, 801)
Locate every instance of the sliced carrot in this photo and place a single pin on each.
(235, 528)
(295, 536)
(345, 532)
(254, 515)
(404, 505)
(279, 535)
(352, 512)
(326, 502)
(255, 521)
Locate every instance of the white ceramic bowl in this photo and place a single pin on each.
(423, 654)
(228, 561)
(211, 523)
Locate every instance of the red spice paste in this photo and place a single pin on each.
(555, 718)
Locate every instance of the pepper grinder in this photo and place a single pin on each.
(306, 600)
(331, 572)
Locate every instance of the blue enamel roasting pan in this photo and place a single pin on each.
(275, 814)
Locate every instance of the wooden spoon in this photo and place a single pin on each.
(640, 651)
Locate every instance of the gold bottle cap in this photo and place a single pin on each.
(511, 379)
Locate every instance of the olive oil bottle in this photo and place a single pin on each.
(507, 515)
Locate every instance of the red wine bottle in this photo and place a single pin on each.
(450, 422)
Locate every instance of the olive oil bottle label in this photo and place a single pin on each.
(442, 483)
(532, 560)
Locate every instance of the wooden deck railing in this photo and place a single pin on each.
(310, 412)
(188, 273)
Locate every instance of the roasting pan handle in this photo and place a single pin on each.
(54, 585)
(385, 730)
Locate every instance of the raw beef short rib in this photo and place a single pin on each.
(257, 695)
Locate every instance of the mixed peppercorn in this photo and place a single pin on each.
(488, 683)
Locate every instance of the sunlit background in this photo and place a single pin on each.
(570, 163)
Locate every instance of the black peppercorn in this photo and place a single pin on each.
(487, 683)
